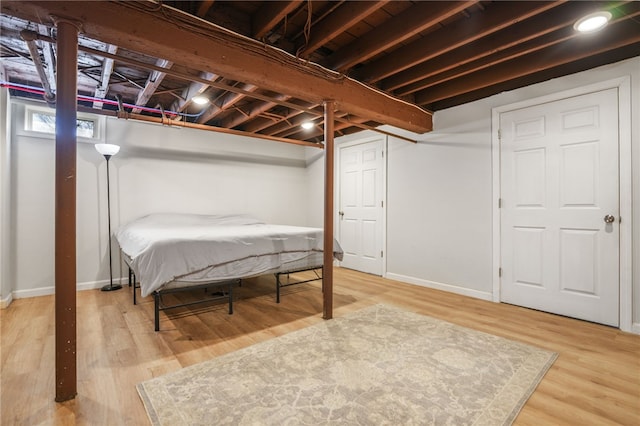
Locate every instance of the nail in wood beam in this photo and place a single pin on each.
(327, 271)
(65, 208)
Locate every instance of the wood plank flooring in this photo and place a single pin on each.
(595, 380)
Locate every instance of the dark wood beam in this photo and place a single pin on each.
(227, 101)
(499, 15)
(193, 89)
(105, 77)
(629, 11)
(327, 270)
(616, 36)
(65, 211)
(491, 61)
(255, 109)
(562, 16)
(204, 7)
(153, 82)
(260, 124)
(178, 37)
(269, 14)
(393, 32)
(347, 15)
(587, 63)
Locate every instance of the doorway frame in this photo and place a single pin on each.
(623, 86)
(385, 145)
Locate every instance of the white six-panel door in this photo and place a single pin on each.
(360, 205)
(560, 207)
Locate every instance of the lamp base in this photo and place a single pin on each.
(111, 287)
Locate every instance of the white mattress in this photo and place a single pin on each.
(171, 248)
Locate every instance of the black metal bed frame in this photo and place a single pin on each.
(159, 306)
(279, 284)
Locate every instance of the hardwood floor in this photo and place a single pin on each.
(594, 381)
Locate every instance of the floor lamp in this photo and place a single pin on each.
(109, 150)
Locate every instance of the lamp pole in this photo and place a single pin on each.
(109, 150)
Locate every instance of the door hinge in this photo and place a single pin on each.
(381, 203)
(499, 203)
(499, 272)
(499, 134)
(381, 253)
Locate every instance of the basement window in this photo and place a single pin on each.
(41, 120)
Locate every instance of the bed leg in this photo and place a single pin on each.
(156, 302)
(135, 302)
(277, 288)
(231, 297)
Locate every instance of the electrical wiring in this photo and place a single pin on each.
(83, 98)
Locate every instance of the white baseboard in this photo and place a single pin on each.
(635, 328)
(4, 303)
(440, 286)
(45, 291)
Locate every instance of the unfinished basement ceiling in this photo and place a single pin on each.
(430, 54)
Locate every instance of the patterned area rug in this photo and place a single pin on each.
(381, 365)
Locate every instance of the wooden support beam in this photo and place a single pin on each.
(270, 13)
(49, 57)
(327, 270)
(225, 103)
(29, 38)
(194, 88)
(168, 122)
(255, 109)
(167, 33)
(347, 15)
(107, 69)
(617, 36)
(393, 32)
(65, 211)
(152, 84)
(533, 29)
(204, 7)
(448, 38)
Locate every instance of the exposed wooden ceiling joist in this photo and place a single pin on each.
(618, 35)
(451, 37)
(530, 29)
(348, 14)
(152, 84)
(398, 29)
(183, 39)
(107, 69)
(270, 14)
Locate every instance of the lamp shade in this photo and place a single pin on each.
(107, 148)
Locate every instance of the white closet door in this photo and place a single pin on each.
(560, 207)
(360, 206)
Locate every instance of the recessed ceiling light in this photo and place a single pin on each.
(307, 125)
(200, 100)
(592, 22)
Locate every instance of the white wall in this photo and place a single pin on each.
(5, 191)
(159, 169)
(439, 191)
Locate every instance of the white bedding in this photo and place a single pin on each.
(164, 247)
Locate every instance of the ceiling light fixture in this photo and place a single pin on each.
(200, 100)
(307, 125)
(592, 22)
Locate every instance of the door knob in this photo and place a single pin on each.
(609, 218)
(341, 213)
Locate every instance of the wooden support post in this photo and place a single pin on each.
(65, 211)
(327, 271)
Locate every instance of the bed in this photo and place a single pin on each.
(174, 252)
